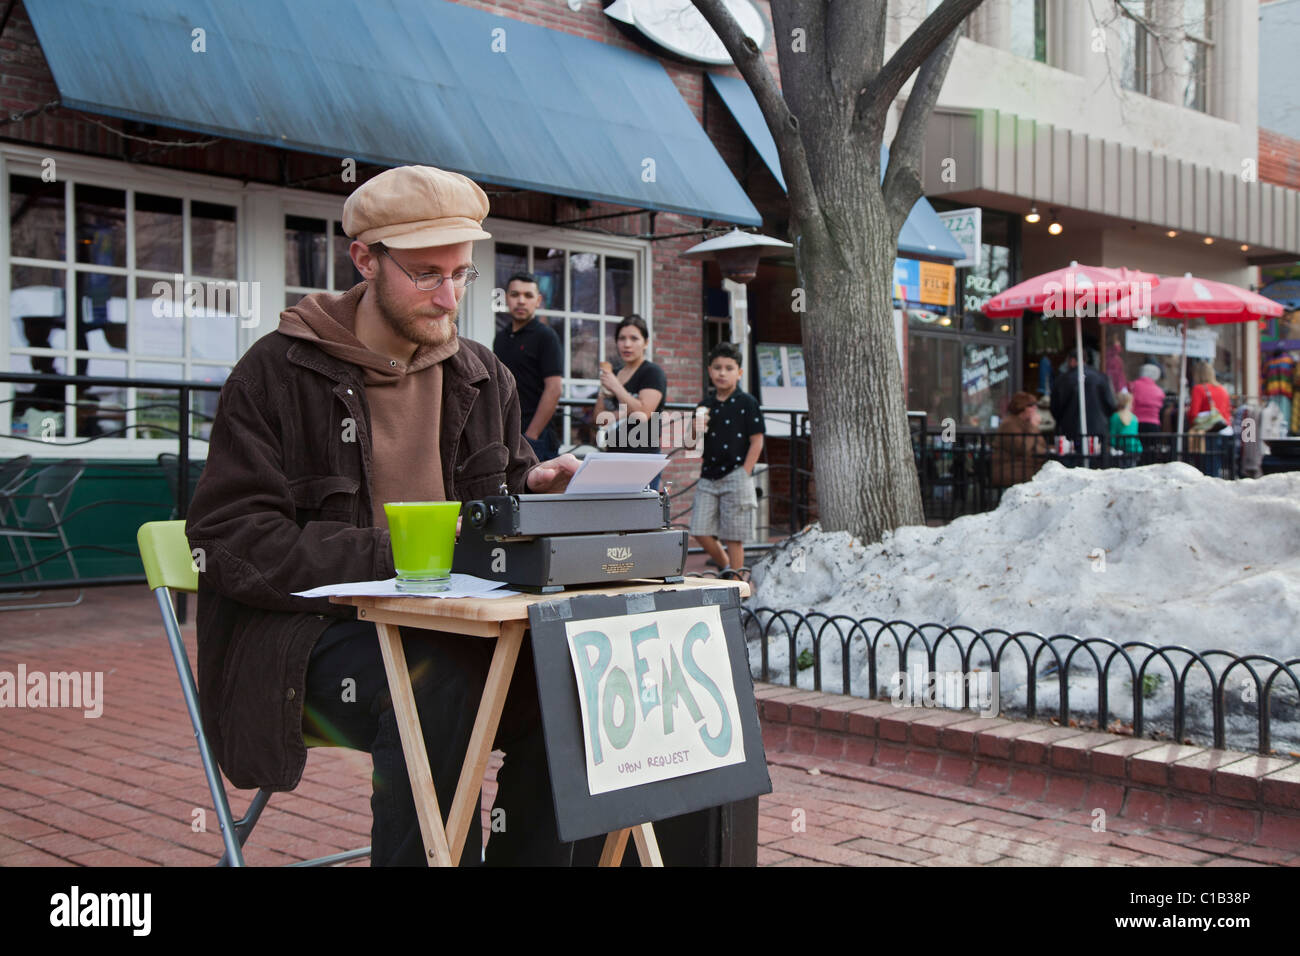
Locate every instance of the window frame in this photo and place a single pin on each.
(1204, 45)
(1143, 37)
(512, 232)
(71, 170)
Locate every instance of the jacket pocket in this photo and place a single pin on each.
(324, 498)
(483, 472)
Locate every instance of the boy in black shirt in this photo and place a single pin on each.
(724, 497)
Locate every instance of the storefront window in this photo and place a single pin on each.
(1160, 343)
(112, 305)
(585, 295)
(316, 258)
(985, 383)
(934, 377)
(961, 365)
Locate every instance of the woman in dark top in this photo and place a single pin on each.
(634, 394)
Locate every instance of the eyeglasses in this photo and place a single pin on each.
(430, 281)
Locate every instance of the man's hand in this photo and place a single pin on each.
(552, 477)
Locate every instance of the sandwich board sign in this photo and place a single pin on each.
(647, 707)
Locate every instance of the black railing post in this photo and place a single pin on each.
(183, 480)
(183, 455)
(795, 445)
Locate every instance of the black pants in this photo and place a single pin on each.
(348, 704)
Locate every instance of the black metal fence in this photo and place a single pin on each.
(967, 472)
(1197, 694)
(47, 397)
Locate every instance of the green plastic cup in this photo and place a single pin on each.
(423, 535)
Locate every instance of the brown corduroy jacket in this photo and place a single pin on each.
(284, 505)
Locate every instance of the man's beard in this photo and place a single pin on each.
(414, 327)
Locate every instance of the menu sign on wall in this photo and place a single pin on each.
(966, 227)
(928, 283)
(1168, 340)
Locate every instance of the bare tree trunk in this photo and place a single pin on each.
(828, 119)
(866, 473)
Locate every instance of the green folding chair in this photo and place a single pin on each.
(169, 566)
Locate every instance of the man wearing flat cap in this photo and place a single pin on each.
(356, 399)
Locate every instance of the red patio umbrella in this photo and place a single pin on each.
(1071, 292)
(1188, 297)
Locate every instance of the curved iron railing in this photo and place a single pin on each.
(1060, 657)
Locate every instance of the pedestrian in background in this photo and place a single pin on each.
(531, 350)
(1208, 395)
(632, 394)
(1124, 427)
(1018, 447)
(1148, 398)
(1098, 403)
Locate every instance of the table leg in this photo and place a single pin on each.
(615, 845)
(417, 758)
(465, 806)
(647, 846)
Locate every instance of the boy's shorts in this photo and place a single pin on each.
(725, 508)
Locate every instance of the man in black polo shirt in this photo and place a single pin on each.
(531, 350)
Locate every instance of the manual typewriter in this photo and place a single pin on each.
(544, 543)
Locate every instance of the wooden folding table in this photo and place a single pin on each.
(505, 619)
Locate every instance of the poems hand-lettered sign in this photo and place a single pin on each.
(648, 706)
(656, 695)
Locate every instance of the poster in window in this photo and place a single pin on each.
(769, 366)
(794, 357)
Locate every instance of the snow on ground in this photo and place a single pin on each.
(1160, 554)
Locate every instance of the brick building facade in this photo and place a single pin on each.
(263, 183)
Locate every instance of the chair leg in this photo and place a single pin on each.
(216, 788)
(38, 607)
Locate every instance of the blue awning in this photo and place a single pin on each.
(923, 234)
(393, 82)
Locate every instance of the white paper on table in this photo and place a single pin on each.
(461, 586)
(611, 472)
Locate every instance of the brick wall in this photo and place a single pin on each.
(1279, 159)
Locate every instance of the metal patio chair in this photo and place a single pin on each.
(12, 475)
(38, 515)
(168, 567)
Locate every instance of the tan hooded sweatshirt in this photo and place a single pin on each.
(405, 400)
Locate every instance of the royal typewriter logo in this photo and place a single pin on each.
(618, 554)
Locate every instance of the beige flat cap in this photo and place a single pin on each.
(414, 207)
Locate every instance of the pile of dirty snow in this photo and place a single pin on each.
(1160, 554)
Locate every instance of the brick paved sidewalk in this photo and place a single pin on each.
(124, 788)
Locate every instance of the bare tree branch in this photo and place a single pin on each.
(804, 69)
(783, 123)
(875, 98)
(902, 185)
